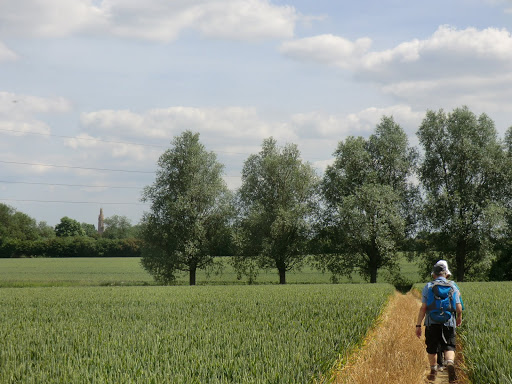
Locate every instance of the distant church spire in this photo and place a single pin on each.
(101, 224)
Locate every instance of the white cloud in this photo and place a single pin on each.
(159, 20)
(47, 18)
(6, 54)
(327, 49)
(448, 50)
(361, 123)
(231, 122)
(447, 45)
(232, 132)
(452, 67)
(18, 112)
(250, 19)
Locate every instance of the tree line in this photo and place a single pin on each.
(22, 236)
(381, 197)
(449, 199)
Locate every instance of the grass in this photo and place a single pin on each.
(44, 272)
(487, 331)
(206, 334)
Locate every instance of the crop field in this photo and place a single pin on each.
(487, 331)
(203, 334)
(43, 272)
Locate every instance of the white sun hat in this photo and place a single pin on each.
(443, 266)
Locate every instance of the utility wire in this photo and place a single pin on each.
(72, 167)
(104, 141)
(69, 185)
(82, 138)
(70, 202)
(86, 168)
(115, 141)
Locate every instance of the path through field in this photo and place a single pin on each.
(391, 354)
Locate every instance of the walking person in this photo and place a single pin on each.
(441, 312)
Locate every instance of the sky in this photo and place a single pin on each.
(92, 92)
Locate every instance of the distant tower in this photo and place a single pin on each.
(101, 224)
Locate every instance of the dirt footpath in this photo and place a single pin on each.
(391, 353)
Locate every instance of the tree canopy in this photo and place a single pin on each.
(118, 227)
(69, 227)
(464, 177)
(276, 207)
(369, 201)
(16, 225)
(189, 210)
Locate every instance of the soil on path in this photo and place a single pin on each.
(391, 353)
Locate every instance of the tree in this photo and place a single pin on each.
(501, 268)
(463, 174)
(89, 230)
(369, 201)
(117, 227)
(45, 230)
(68, 227)
(16, 225)
(189, 209)
(276, 205)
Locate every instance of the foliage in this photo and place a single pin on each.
(276, 207)
(89, 230)
(245, 334)
(16, 225)
(463, 173)
(70, 246)
(45, 231)
(486, 332)
(118, 227)
(501, 268)
(370, 202)
(69, 227)
(190, 209)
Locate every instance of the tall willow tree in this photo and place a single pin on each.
(189, 211)
(277, 201)
(464, 175)
(369, 201)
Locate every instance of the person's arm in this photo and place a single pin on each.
(421, 316)
(458, 309)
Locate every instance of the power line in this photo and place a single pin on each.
(86, 168)
(69, 185)
(71, 202)
(115, 141)
(82, 138)
(104, 141)
(73, 167)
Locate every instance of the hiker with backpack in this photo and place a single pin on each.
(441, 311)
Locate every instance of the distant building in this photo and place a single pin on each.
(101, 224)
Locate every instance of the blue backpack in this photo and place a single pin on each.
(441, 301)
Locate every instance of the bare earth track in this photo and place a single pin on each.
(391, 353)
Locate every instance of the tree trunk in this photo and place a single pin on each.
(373, 274)
(460, 259)
(282, 276)
(192, 276)
(373, 261)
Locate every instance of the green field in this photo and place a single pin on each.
(42, 272)
(487, 331)
(203, 334)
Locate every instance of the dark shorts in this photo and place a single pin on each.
(438, 335)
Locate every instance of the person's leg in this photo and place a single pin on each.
(449, 353)
(440, 354)
(432, 340)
